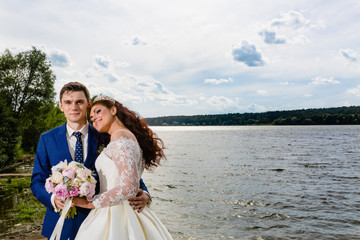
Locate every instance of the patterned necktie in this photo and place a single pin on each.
(78, 148)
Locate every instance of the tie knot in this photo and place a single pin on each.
(77, 135)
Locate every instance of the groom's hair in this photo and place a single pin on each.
(75, 87)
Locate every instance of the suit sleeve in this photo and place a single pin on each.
(41, 172)
(143, 186)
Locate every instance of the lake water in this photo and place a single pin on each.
(259, 182)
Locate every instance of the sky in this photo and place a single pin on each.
(190, 57)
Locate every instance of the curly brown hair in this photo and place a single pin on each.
(151, 145)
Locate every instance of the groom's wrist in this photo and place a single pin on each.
(150, 199)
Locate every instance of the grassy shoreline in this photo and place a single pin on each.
(21, 213)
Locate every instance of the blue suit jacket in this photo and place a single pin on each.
(53, 148)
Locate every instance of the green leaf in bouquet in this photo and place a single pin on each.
(71, 213)
(66, 179)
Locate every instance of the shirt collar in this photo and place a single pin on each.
(84, 130)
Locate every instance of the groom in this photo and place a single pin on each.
(59, 144)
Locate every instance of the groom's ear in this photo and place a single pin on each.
(60, 106)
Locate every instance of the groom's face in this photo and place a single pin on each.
(74, 105)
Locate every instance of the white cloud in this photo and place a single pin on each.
(122, 64)
(271, 38)
(249, 54)
(58, 58)
(255, 108)
(355, 91)
(133, 89)
(218, 81)
(350, 55)
(291, 19)
(102, 61)
(150, 90)
(221, 103)
(286, 83)
(138, 42)
(121, 96)
(321, 81)
(111, 77)
(262, 92)
(292, 25)
(224, 104)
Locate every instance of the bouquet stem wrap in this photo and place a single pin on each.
(60, 223)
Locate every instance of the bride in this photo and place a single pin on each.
(132, 147)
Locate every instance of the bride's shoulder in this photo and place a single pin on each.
(120, 140)
(122, 134)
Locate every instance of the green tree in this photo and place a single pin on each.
(47, 117)
(27, 90)
(9, 134)
(26, 81)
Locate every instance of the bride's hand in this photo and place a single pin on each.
(82, 202)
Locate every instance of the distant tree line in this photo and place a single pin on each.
(319, 116)
(27, 103)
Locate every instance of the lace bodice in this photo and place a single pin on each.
(120, 166)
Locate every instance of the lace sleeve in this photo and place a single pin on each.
(123, 152)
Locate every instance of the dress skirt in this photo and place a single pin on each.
(122, 222)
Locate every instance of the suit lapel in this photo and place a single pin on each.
(63, 144)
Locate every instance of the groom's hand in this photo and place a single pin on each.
(59, 203)
(139, 202)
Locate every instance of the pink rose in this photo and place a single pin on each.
(89, 197)
(49, 185)
(70, 173)
(85, 189)
(61, 191)
(74, 192)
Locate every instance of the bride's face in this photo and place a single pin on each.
(102, 117)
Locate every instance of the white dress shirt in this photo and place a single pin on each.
(71, 140)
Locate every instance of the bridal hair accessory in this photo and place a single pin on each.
(104, 98)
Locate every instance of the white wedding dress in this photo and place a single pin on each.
(120, 166)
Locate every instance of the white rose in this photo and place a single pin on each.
(88, 172)
(60, 166)
(73, 165)
(82, 174)
(76, 182)
(57, 177)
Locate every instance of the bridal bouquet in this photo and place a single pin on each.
(71, 180)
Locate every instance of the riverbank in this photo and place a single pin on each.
(22, 165)
(29, 232)
(21, 214)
